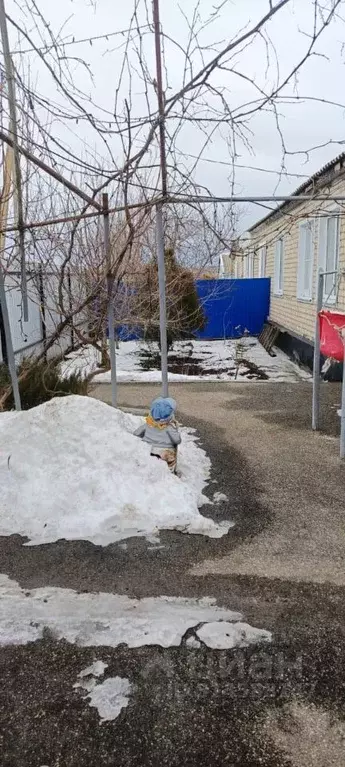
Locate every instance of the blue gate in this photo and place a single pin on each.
(234, 307)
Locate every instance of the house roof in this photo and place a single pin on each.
(330, 166)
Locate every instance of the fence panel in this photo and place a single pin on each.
(233, 307)
(28, 337)
(25, 335)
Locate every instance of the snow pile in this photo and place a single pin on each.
(109, 620)
(71, 468)
(110, 696)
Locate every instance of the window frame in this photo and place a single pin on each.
(250, 267)
(262, 261)
(330, 297)
(302, 295)
(278, 287)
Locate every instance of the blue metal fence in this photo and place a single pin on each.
(233, 307)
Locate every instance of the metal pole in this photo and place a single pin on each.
(162, 300)
(17, 172)
(43, 308)
(342, 417)
(51, 172)
(110, 299)
(9, 346)
(316, 365)
(159, 207)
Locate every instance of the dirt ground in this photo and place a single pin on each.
(282, 565)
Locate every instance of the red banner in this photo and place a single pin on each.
(332, 334)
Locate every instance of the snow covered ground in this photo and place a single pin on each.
(221, 360)
(85, 361)
(71, 468)
(108, 620)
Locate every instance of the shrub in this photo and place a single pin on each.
(185, 315)
(42, 383)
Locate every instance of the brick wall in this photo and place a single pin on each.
(287, 310)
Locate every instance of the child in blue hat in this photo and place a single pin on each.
(161, 431)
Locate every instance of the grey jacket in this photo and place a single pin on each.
(169, 437)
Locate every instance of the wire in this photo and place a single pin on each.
(77, 42)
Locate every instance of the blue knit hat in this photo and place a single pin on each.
(162, 409)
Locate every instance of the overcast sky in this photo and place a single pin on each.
(304, 125)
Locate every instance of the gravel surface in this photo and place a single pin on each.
(280, 565)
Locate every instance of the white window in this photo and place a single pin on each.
(245, 266)
(279, 267)
(262, 260)
(329, 255)
(305, 261)
(250, 265)
(236, 267)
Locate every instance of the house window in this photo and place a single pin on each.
(250, 265)
(245, 266)
(305, 261)
(236, 268)
(262, 260)
(279, 267)
(221, 270)
(329, 255)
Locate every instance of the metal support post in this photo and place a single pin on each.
(342, 417)
(110, 301)
(316, 364)
(159, 208)
(162, 299)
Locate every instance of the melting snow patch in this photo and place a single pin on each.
(83, 362)
(77, 472)
(110, 619)
(110, 696)
(193, 643)
(219, 360)
(220, 498)
(96, 669)
(224, 636)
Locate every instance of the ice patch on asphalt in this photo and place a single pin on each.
(96, 669)
(109, 696)
(104, 619)
(71, 468)
(225, 636)
(220, 497)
